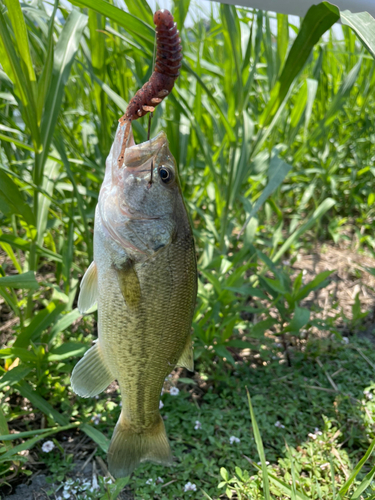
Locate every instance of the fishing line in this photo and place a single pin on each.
(151, 114)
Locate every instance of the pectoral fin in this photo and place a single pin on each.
(91, 375)
(129, 285)
(187, 359)
(89, 289)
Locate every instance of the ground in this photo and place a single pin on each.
(330, 377)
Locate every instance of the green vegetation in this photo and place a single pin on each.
(272, 128)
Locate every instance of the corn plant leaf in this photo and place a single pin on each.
(25, 280)
(22, 40)
(363, 24)
(13, 197)
(319, 18)
(45, 78)
(65, 51)
(141, 10)
(137, 27)
(20, 78)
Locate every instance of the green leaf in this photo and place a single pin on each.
(15, 69)
(65, 51)
(319, 212)
(318, 282)
(137, 27)
(97, 436)
(39, 402)
(42, 320)
(11, 194)
(67, 350)
(278, 170)
(366, 482)
(319, 18)
(259, 328)
(300, 319)
(141, 10)
(43, 433)
(259, 445)
(14, 375)
(357, 469)
(224, 353)
(363, 24)
(24, 280)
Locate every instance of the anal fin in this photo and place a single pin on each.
(187, 359)
(88, 289)
(91, 375)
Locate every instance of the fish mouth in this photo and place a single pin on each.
(139, 158)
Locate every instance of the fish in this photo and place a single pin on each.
(143, 279)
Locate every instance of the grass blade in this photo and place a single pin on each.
(259, 443)
(356, 470)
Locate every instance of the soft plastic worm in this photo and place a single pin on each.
(168, 63)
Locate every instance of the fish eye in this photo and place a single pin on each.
(165, 174)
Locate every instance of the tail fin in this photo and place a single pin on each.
(128, 448)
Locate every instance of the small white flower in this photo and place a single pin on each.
(97, 396)
(149, 481)
(312, 436)
(96, 418)
(279, 424)
(317, 432)
(48, 446)
(367, 394)
(345, 340)
(161, 404)
(286, 262)
(198, 425)
(160, 480)
(174, 392)
(267, 463)
(66, 494)
(234, 439)
(190, 487)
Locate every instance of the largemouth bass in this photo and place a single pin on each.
(144, 280)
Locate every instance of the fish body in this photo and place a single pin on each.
(144, 280)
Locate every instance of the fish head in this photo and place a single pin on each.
(140, 201)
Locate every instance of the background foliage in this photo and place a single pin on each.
(265, 114)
